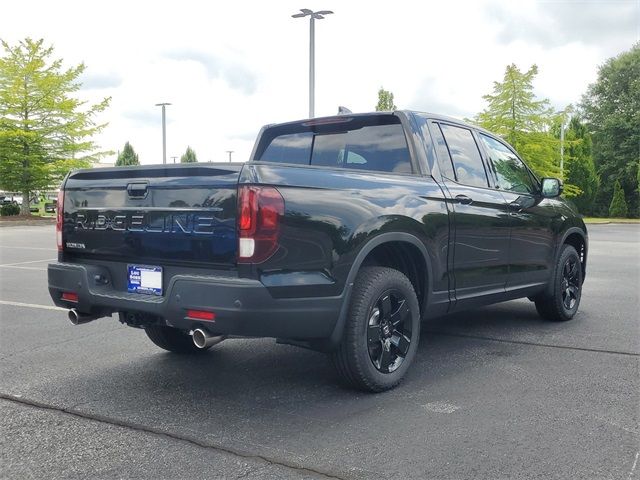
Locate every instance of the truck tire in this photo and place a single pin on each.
(172, 339)
(561, 302)
(381, 332)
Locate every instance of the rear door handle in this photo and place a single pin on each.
(463, 199)
(514, 206)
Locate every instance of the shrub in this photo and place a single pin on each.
(10, 209)
(618, 207)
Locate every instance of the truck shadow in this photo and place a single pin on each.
(260, 374)
(280, 400)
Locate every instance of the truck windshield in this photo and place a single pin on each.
(369, 143)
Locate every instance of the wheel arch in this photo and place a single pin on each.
(376, 248)
(577, 238)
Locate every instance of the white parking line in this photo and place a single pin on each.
(25, 263)
(31, 305)
(633, 467)
(28, 248)
(24, 268)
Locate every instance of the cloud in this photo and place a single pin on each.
(234, 74)
(433, 97)
(613, 25)
(144, 118)
(100, 80)
(247, 136)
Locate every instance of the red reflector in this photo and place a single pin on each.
(201, 315)
(70, 297)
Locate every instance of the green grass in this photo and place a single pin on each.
(593, 220)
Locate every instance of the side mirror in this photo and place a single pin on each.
(551, 187)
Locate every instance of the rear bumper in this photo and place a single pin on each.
(241, 306)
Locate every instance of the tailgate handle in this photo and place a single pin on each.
(137, 190)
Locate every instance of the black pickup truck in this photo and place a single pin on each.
(340, 234)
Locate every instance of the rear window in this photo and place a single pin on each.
(374, 143)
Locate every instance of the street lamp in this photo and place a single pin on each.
(313, 16)
(563, 126)
(229, 152)
(164, 131)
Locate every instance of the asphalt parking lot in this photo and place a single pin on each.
(494, 393)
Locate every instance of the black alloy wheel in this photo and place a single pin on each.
(570, 283)
(561, 300)
(389, 331)
(381, 332)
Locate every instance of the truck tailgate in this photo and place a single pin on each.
(156, 214)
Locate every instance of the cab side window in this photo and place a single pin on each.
(511, 173)
(467, 162)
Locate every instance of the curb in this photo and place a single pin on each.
(27, 223)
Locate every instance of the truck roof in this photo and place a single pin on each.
(435, 116)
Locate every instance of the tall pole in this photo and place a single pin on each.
(312, 65)
(229, 152)
(562, 148)
(164, 131)
(313, 16)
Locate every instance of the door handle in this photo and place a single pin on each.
(514, 207)
(463, 199)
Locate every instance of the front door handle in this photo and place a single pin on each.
(463, 199)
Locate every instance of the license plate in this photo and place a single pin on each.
(145, 279)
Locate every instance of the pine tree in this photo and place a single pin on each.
(618, 207)
(189, 156)
(44, 130)
(514, 113)
(128, 156)
(385, 101)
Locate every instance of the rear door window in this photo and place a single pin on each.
(376, 143)
(467, 162)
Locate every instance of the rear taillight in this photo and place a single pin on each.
(59, 219)
(259, 212)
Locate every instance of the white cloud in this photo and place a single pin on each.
(229, 68)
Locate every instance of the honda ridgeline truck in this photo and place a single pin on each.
(340, 234)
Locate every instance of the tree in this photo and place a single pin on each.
(618, 207)
(44, 130)
(127, 156)
(579, 167)
(611, 107)
(385, 101)
(514, 113)
(189, 156)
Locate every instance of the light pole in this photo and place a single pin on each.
(174, 159)
(313, 16)
(164, 131)
(230, 152)
(568, 109)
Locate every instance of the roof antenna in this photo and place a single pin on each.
(343, 110)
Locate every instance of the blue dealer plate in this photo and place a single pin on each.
(144, 279)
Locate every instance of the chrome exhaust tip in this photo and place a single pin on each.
(202, 339)
(78, 318)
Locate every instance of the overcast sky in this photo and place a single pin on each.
(230, 67)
